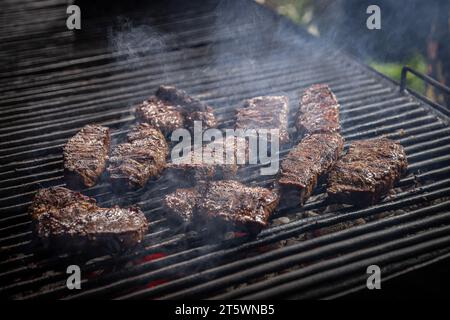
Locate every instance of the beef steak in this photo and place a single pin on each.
(210, 161)
(367, 172)
(161, 114)
(313, 157)
(265, 112)
(69, 219)
(143, 157)
(85, 156)
(192, 108)
(224, 205)
(318, 112)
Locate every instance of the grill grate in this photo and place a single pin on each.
(54, 81)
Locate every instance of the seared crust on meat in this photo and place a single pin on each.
(236, 205)
(313, 157)
(265, 112)
(69, 219)
(367, 172)
(206, 117)
(318, 112)
(132, 164)
(181, 98)
(224, 205)
(181, 204)
(161, 114)
(85, 156)
(210, 161)
(192, 108)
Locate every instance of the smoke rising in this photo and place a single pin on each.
(139, 44)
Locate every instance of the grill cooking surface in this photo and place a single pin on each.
(54, 81)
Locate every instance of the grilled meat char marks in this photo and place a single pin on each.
(85, 156)
(367, 172)
(210, 161)
(181, 204)
(225, 204)
(132, 164)
(319, 111)
(266, 112)
(161, 114)
(313, 157)
(238, 206)
(192, 108)
(180, 97)
(172, 108)
(69, 219)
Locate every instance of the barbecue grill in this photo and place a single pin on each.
(54, 81)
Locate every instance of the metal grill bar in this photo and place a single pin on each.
(300, 227)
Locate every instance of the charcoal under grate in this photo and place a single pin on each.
(54, 81)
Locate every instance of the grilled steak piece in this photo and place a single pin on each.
(224, 205)
(69, 219)
(132, 164)
(180, 97)
(319, 111)
(210, 161)
(367, 172)
(181, 204)
(193, 109)
(207, 119)
(161, 114)
(313, 157)
(237, 206)
(267, 112)
(85, 156)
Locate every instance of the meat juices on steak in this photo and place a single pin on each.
(318, 112)
(85, 156)
(266, 112)
(143, 157)
(367, 172)
(161, 114)
(208, 162)
(313, 157)
(181, 204)
(225, 204)
(235, 205)
(66, 218)
(171, 108)
(192, 108)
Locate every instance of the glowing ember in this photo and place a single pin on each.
(151, 257)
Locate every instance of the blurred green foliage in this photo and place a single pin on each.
(294, 9)
(394, 70)
(302, 12)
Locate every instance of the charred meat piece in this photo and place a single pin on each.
(193, 109)
(132, 164)
(237, 206)
(85, 156)
(69, 219)
(266, 112)
(207, 119)
(180, 97)
(181, 204)
(224, 205)
(313, 157)
(319, 111)
(210, 161)
(161, 114)
(171, 108)
(367, 172)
